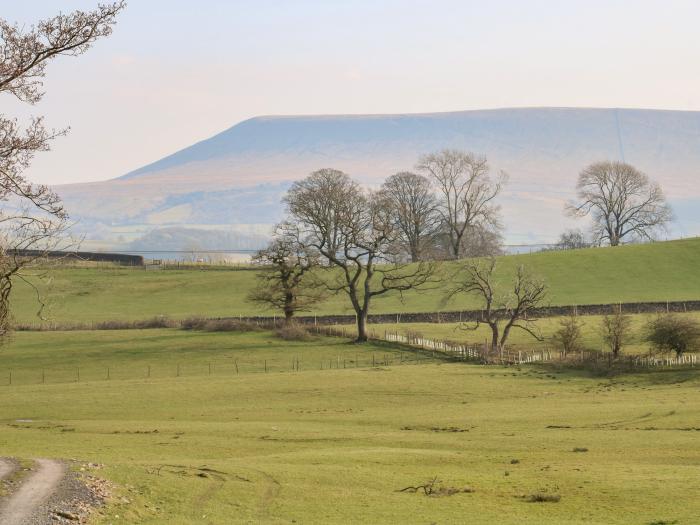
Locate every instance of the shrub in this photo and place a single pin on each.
(218, 325)
(543, 498)
(230, 325)
(159, 321)
(293, 332)
(568, 336)
(154, 322)
(615, 329)
(193, 323)
(672, 332)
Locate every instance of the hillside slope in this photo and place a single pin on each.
(652, 272)
(239, 175)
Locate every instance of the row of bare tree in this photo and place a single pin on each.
(371, 237)
(342, 238)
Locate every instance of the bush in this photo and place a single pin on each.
(160, 321)
(541, 497)
(230, 325)
(218, 325)
(616, 330)
(568, 335)
(674, 333)
(193, 323)
(293, 332)
(155, 322)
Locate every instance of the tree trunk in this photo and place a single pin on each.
(494, 338)
(455, 248)
(288, 307)
(362, 327)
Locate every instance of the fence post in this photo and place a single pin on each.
(265, 365)
(235, 362)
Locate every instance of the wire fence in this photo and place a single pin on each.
(231, 367)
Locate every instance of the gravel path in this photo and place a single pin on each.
(26, 503)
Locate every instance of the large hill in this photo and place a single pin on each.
(238, 176)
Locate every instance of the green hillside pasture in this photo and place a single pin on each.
(32, 357)
(520, 340)
(338, 446)
(651, 272)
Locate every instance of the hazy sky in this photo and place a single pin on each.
(177, 71)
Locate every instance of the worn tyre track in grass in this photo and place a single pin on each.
(24, 505)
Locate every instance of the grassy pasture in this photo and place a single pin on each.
(336, 446)
(33, 357)
(651, 272)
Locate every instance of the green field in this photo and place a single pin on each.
(336, 446)
(65, 357)
(651, 272)
(232, 427)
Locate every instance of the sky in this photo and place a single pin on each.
(175, 71)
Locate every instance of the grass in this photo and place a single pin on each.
(338, 446)
(651, 272)
(32, 357)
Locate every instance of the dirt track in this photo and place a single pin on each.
(25, 506)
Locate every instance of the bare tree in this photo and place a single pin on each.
(478, 241)
(33, 216)
(673, 332)
(616, 329)
(572, 240)
(568, 335)
(502, 310)
(622, 202)
(414, 208)
(467, 193)
(287, 282)
(354, 231)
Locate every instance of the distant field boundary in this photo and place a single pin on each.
(457, 316)
(270, 321)
(117, 258)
